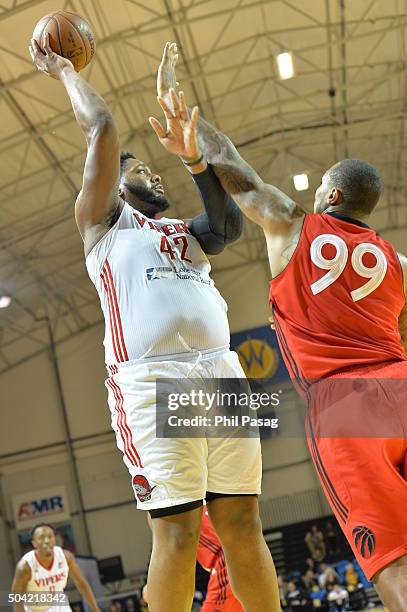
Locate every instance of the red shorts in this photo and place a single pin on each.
(356, 430)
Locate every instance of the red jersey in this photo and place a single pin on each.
(219, 595)
(337, 303)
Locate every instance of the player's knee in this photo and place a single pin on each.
(176, 540)
(240, 527)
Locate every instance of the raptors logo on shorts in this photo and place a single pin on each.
(142, 488)
(365, 540)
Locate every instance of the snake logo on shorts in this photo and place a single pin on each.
(365, 541)
(142, 488)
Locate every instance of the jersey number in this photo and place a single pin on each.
(337, 265)
(165, 247)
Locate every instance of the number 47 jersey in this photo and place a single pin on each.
(337, 303)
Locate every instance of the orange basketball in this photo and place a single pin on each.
(70, 36)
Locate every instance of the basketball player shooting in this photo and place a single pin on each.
(165, 319)
(338, 299)
(45, 569)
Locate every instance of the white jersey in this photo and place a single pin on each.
(156, 293)
(43, 580)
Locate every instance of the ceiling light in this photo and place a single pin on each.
(285, 65)
(5, 301)
(301, 182)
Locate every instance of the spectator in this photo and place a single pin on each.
(357, 595)
(351, 577)
(318, 598)
(282, 588)
(338, 599)
(310, 565)
(112, 607)
(297, 599)
(327, 576)
(132, 604)
(331, 540)
(314, 539)
(331, 578)
(309, 579)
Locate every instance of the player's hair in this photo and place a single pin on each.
(33, 530)
(124, 156)
(359, 182)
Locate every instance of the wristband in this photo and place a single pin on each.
(195, 162)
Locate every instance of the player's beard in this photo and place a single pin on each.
(154, 202)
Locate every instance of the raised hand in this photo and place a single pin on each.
(47, 61)
(166, 78)
(179, 137)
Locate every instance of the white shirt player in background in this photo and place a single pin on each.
(166, 320)
(45, 569)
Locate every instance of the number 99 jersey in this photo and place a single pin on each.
(337, 303)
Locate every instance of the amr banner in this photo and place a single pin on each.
(44, 506)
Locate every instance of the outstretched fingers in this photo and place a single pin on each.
(157, 127)
(174, 101)
(194, 117)
(165, 52)
(166, 109)
(183, 108)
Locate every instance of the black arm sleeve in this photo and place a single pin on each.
(222, 221)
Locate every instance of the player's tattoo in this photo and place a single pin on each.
(236, 175)
(219, 151)
(261, 202)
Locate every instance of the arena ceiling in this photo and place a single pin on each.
(348, 99)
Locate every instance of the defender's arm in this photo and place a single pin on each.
(222, 221)
(264, 204)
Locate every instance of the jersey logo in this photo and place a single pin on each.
(162, 272)
(142, 488)
(365, 541)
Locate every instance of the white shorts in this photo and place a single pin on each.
(168, 472)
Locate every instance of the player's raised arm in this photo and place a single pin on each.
(80, 582)
(222, 221)
(264, 204)
(21, 579)
(98, 198)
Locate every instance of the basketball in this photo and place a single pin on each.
(70, 36)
